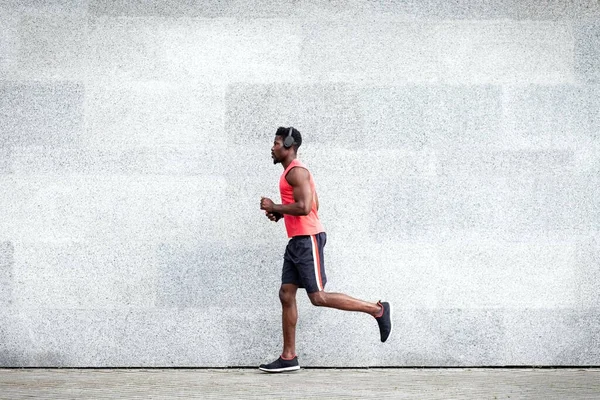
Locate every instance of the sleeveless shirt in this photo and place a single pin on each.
(304, 224)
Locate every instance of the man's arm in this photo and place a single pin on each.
(299, 180)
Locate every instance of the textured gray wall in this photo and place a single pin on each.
(456, 148)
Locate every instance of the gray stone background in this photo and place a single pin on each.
(455, 145)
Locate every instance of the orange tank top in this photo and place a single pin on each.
(305, 224)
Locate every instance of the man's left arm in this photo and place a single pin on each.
(299, 180)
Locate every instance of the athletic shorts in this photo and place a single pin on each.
(303, 263)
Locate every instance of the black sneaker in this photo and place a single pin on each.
(281, 365)
(385, 320)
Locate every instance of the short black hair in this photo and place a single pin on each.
(283, 132)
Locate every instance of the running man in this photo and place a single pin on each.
(303, 265)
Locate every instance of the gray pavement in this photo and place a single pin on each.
(307, 383)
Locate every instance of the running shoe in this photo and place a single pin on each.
(281, 365)
(385, 320)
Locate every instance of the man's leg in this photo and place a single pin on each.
(289, 317)
(312, 272)
(290, 281)
(344, 302)
(382, 311)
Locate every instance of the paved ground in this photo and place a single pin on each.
(307, 383)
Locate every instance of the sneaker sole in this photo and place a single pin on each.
(286, 369)
(391, 322)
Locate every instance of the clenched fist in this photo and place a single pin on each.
(266, 204)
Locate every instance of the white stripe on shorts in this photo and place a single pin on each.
(315, 249)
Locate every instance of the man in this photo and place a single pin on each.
(303, 265)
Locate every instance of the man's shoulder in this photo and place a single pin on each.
(297, 172)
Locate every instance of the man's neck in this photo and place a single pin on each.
(286, 163)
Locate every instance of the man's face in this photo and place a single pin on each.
(278, 150)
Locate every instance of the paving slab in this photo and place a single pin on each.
(247, 383)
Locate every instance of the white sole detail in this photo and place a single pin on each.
(286, 369)
(391, 322)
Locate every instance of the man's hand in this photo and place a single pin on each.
(274, 216)
(266, 204)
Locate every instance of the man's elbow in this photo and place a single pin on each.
(304, 209)
(308, 207)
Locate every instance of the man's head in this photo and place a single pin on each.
(285, 136)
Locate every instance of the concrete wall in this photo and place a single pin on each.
(455, 145)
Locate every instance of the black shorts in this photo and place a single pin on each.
(303, 263)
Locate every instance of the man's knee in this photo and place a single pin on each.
(287, 296)
(318, 299)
